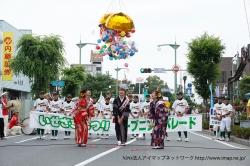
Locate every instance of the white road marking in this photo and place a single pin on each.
(14, 136)
(28, 140)
(218, 141)
(95, 140)
(101, 154)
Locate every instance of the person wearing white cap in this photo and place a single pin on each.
(15, 126)
(5, 111)
(2, 106)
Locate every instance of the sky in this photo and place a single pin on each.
(156, 22)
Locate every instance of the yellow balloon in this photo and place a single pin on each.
(123, 33)
(120, 21)
(104, 18)
(167, 104)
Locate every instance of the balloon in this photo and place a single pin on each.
(104, 46)
(113, 47)
(133, 30)
(123, 33)
(111, 58)
(103, 54)
(128, 35)
(117, 48)
(126, 64)
(99, 41)
(115, 57)
(101, 51)
(132, 53)
(97, 47)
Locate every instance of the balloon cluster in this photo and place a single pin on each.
(114, 40)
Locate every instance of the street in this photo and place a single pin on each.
(25, 150)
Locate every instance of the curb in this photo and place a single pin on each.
(232, 139)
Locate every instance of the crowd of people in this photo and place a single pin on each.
(120, 109)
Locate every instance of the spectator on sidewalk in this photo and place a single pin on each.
(15, 126)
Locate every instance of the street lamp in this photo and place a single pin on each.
(184, 79)
(174, 46)
(234, 62)
(118, 69)
(81, 45)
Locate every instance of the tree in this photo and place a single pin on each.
(204, 56)
(99, 83)
(153, 82)
(244, 85)
(40, 58)
(74, 78)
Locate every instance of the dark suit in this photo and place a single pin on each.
(121, 129)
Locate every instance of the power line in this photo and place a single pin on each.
(247, 18)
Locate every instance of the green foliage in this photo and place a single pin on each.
(244, 85)
(73, 78)
(204, 56)
(243, 116)
(40, 58)
(205, 124)
(99, 83)
(152, 82)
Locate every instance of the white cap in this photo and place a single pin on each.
(4, 93)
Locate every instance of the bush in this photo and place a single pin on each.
(235, 130)
(205, 125)
(243, 116)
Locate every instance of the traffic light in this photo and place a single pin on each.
(145, 70)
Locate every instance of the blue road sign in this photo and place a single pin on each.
(189, 85)
(189, 92)
(58, 83)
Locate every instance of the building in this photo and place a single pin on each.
(17, 86)
(96, 60)
(227, 67)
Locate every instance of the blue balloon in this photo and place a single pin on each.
(99, 41)
(121, 53)
(117, 48)
(132, 53)
(110, 58)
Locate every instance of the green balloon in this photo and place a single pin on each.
(115, 57)
(109, 49)
(104, 46)
(101, 51)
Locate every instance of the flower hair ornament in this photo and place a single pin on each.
(159, 94)
(167, 104)
(82, 94)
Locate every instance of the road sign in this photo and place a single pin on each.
(176, 68)
(159, 70)
(189, 92)
(189, 85)
(58, 83)
(139, 80)
(123, 85)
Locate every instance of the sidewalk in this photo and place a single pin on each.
(232, 139)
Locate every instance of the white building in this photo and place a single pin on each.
(95, 67)
(19, 86)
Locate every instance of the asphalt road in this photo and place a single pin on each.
(25, 150)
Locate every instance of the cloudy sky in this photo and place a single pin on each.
(156, 22)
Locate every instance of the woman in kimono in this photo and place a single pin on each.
(158, 118)
(82, 114)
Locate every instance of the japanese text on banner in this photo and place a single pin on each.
(8, 51)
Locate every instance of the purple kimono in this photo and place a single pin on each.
(160, 117)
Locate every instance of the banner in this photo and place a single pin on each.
(213, 120)
(61, 122)
(8, 53)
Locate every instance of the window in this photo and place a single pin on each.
(97, 62)
(223, 77)
(88, 68)
(98, 69)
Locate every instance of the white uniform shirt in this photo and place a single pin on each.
(135, 109)
(180, 105)
(107, 110)
(1, 110)
(41, 105)
(219, 108)
(227, 108)
(68, 107)
(55, 106)
(145, 106)
(97, 108)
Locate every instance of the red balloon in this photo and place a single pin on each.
(97, 47)
(118, 34)
(133, 30)
(128, 35)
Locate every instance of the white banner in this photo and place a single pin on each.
(53, 121)
(213, 120)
